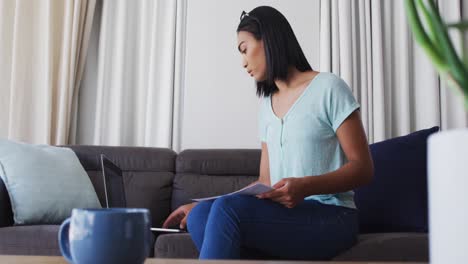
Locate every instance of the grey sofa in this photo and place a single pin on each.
(161, 180)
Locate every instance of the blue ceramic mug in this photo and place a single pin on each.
(114, 235)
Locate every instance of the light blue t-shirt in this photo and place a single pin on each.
(304, 141)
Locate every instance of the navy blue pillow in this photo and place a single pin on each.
(396, 200)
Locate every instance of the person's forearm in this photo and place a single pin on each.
(350, 176)
(261, 180)
(264, 176)
(265, 180)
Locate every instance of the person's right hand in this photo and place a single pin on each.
(179, 216)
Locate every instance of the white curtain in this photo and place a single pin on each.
(42, 50)
(452, 113)
(369, 44)
(129, 95)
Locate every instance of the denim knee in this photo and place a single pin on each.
(196, 222)
(198, 215)
(224, 202)
(232, 206)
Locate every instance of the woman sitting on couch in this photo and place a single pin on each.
(314, 152)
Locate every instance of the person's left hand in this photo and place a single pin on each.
(288, 192)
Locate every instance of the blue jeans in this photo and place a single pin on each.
(245, 227)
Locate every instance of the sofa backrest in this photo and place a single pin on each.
(203, 173)
(148, 175)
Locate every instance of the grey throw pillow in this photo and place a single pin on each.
(44, 182)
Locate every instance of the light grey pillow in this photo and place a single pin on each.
(44, 182)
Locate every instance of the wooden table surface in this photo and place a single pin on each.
(10, 259)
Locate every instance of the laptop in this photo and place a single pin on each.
(113, 184)
(115, 192)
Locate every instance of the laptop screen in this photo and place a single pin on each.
(113, 184)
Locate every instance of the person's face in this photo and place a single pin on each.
(253, 55)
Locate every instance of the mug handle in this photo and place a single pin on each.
(64, 241)
(150, 241)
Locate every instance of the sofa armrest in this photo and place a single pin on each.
(6, 215)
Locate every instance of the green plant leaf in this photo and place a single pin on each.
(456, 66)
(421, 36)
(433, 37)
(432, 32)
(462, 25)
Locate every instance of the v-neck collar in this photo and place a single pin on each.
(295, 102)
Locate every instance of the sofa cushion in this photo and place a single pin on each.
(30, 240)
(388, 247)
(175, 246)
(396, 200)
(44, 182)
(370, 247)
(40, 240)
(203, 173)
(189, 186)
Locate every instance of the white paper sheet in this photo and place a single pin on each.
(252, 190)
